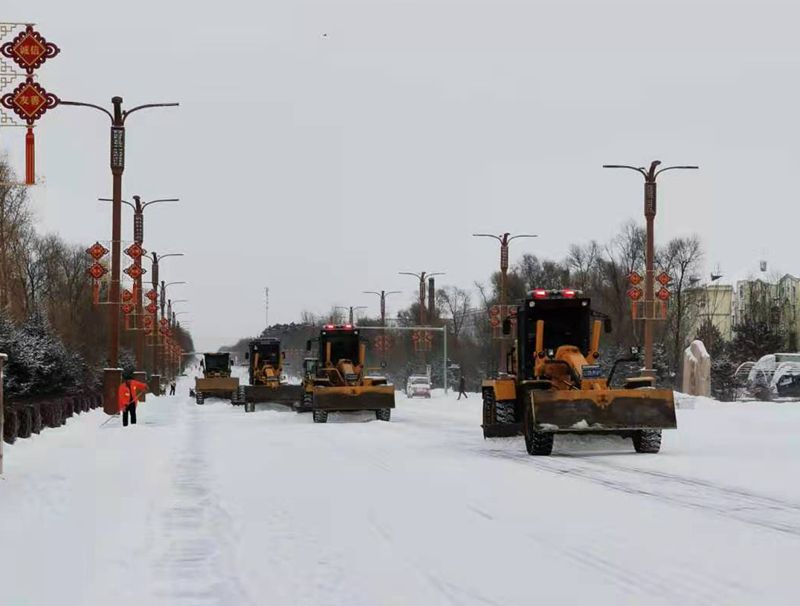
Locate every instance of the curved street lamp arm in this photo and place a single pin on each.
(128, 112)
(371, 292)
(498, 238)
(638, 170)
(170, 255)
(523, 236)
(146, 204)
(123, 201)
(92, 105)
(409, 273)
(676, 167)
(394, 292)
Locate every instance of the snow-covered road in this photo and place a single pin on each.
(202, 505)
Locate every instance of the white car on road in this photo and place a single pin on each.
(418, 386)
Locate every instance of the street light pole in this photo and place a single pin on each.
(138, 237)
(351, 308)
(421, 277)
(382, 294)
(504, 239)
(118, 116)
(650, 176)
(155, 258)
(175, 366)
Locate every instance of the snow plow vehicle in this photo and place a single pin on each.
(216, 381)
(266, 379)
(554, 384)
(337, 381)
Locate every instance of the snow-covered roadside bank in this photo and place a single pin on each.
(210, 505)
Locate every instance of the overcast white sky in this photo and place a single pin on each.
(323, 165)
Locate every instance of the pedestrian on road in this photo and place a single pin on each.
(128, 398)
(462, 388)
(172, 388)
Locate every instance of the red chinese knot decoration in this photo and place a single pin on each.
(135, 251)
(127, 296)
(97, 251)
(134, 271)
(127, 308)
(151, 309)
(97, 271)
(152, 295)
(29, 50)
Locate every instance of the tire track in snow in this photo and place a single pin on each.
(194, 559)
(735, 503)
(730, 502)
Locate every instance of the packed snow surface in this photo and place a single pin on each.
(209, 505)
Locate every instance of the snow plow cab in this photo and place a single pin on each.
(337, 381)
(216, 380)
(554, 383)
(265, 371)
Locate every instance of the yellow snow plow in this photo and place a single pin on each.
(267, 383)
(216, 380)
(339, 383)
(554, 384)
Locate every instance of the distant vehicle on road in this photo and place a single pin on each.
(418, 386)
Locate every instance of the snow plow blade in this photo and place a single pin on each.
(282, 394)
(217, 385)
(367, 397)
(611, 410)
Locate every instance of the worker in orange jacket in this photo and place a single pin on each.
(128, 397)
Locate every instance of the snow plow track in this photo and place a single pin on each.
(731, 502)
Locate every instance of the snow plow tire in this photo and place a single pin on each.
(505, 412)
(199, 398)
(647, 441)
(249, 406)
(320, 416)
(537, 443)
(383, 414)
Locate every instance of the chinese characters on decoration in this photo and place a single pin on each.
(29, 100)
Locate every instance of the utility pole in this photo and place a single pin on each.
(504, 239)
(112, 375)
(649, 278)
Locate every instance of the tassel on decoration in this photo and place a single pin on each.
(30, 158)
(95, 292)
(127, 322)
